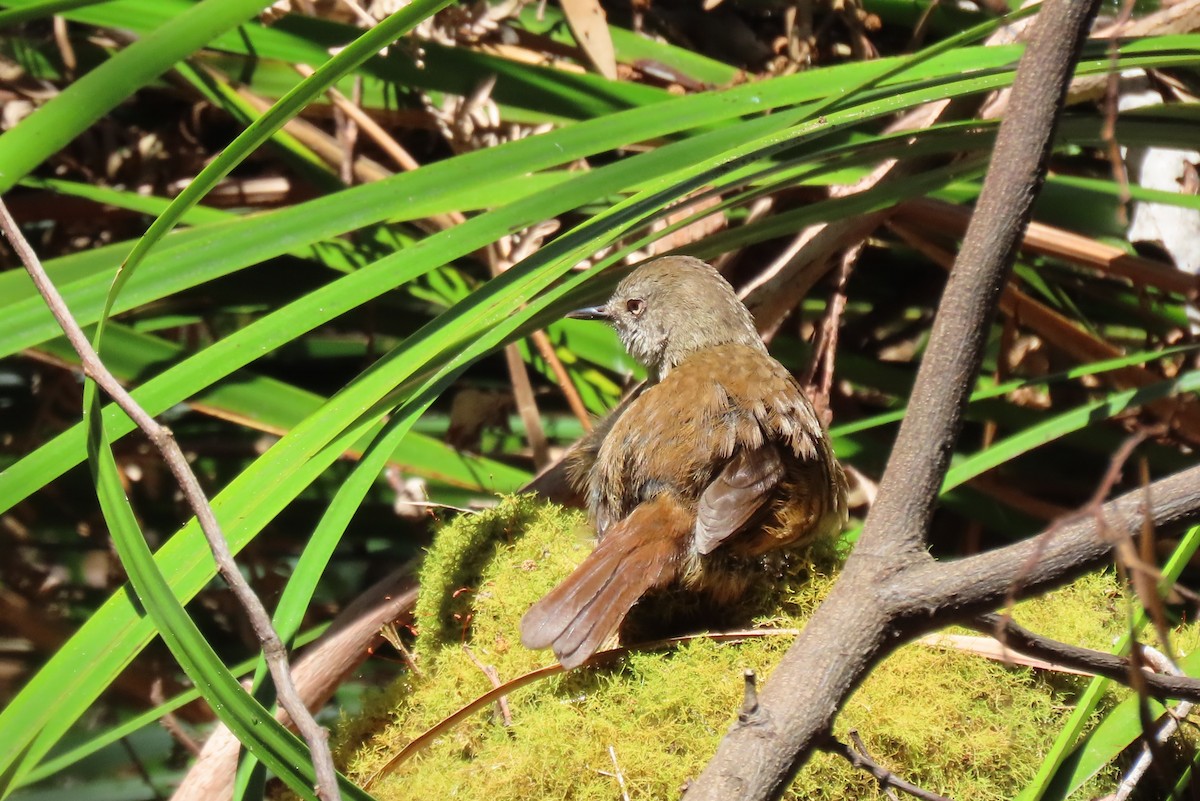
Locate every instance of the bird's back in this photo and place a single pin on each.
(681, 433)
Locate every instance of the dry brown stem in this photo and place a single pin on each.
(1065, 335)
(318, 672)
(273, 649)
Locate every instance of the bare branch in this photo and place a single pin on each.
(1158, 685)
(910, 486)
(851, 631)
(977, 584)
(863, 761)
(162, 438)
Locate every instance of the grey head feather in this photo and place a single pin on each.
(671, 307)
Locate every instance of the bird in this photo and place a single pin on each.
(719, 461)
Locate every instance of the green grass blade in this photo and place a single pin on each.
(1064, 423)
(259, 131)
(999, 390)
(97, 742)
(1085, 707)
(53, 126)
(266, 403)
(319, 547)
(1119, 727)
(63, 689)
(253, 725)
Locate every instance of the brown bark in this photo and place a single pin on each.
(891, 589)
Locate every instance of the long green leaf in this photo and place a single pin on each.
(54, 125)
(1085, 707)
(265, 403)
(1119, 727)
(98, 741)
(253, 725)
(260, 130)
(319, 547)
(1061, 424)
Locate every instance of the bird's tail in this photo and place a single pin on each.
(645, 551)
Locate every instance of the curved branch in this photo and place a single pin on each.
(1157, 685)
(851, 630)
(977, 584)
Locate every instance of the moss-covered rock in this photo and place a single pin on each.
(956, 724)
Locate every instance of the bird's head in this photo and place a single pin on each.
(671, 307)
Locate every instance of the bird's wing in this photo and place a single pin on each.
(737, 495)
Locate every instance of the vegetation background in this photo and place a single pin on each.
(342, 290)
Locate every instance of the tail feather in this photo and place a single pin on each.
(640, 553)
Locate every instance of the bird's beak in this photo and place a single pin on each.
(590, 313)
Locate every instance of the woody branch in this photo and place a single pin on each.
(891, 589)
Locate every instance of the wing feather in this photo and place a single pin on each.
(737, 496)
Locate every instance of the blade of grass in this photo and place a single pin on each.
(1064, 423)
(319, 548)
(254, 726)
(1119, 727)
(274, 406)
(94, 743)
(261, 130)
(68, 114)
(1085, 707)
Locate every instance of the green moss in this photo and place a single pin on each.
(452, 568)
(954, 723)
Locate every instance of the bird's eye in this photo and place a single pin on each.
(635, 306)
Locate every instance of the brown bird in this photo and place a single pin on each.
(720, 460)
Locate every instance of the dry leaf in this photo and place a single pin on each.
(590, 26)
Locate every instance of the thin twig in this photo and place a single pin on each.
(139, 766)
(170, 721)
(373, 129)
(501, 256)
(612, 754)
(349, 640)
(493, 676)
(819, 377)
(595, 660)
(1108, 131)
(545, 347)
(1093, 508)
(861, 748)
(1098, 663)
(273, 650)
(433, 505)
(882, 775)
(391, 635)
(527, 406)
(66, 50)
